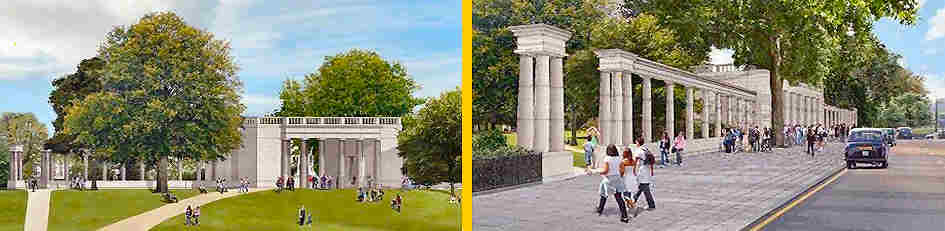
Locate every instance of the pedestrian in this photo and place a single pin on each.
(664, 149)
(588, 154)
(678, 146)
(187, 216)
(630, 162)
(301, 215)
(611, 182)
(811, 140)
(644, 174)
(197, 216)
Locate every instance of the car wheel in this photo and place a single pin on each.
(850, 164)
(885, 165)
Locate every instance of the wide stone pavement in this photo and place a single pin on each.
(712, 191)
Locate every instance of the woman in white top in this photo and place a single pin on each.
(644, 174)
(630, 181)
(612, 182)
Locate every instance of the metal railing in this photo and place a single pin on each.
(323, 120)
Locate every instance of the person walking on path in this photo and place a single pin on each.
(811, 140)
(644, 174)
(187, 215)
(664, 149)
(612, 183)
(197, 216)
(678, 146)
(588, 154)
(628, 163)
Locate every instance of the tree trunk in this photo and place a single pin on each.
(777, 92)
(162, 175)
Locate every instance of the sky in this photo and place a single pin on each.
(922, 45)
(44, 40)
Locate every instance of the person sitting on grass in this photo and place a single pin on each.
(279, 184)
(397, 203)
(360, 195)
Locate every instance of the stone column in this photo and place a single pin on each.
(141, 164)
(44, 169)
(557, 104)
(670, 113)
(85, 158)
(627, 107)
(65, 166)
(705, 113)
(123, 177)
(321, 157)
(718, 114)
(104, 170)
(180, 169)
(689, 113)
(285, 158)
(525, 127)
(11, 179)
(542, 101)
(342, 169)
(362, 164)
(604, 113)
(647, 119)
(617, 107)
(303, 165)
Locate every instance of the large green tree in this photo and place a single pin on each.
(21, 129)
(794, 40)
(356, 83)
(169, 89)
(430, 142)
(67, 91)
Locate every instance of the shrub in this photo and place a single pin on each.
(489, 140)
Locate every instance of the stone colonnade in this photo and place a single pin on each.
(540, 113)
(834, 116)
(349, 166)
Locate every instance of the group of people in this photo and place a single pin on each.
(285, 184)
(221, 185)
(620, 173)
(244, 185)
(752, 139)
(192, 216)
(323, 182)
(668, 147)
(813, 135)
(370, 195)
(77, 183)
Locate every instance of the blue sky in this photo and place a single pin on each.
(44, 40)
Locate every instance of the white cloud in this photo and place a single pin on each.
(935, 84)
(721, 56)
(936, 26)
(921, 3)
(902, 61)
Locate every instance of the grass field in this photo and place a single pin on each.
(90, 210)
(12, 209)
(578, 156)
(331, 210)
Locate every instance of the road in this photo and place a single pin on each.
(909, 195)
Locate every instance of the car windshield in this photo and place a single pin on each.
(905, 130)
(859, 136)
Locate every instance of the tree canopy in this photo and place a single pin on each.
(356, 83)
(68, 90)
(169, 89)
(21, 129)
(430, 142)
(794, 40)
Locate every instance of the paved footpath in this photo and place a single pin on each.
(149, 219)
(37, 210)
(712, 191)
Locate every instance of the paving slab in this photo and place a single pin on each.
(37, 210)
(711, 191)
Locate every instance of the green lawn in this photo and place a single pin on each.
(12, 209)
(91, 210)
(511, 138)
(331, 210)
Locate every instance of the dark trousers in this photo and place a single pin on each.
(810, 147)
(645, 189)
(621, 204)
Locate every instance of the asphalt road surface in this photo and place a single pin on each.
(909, 195)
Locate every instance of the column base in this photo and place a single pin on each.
(557, 166)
